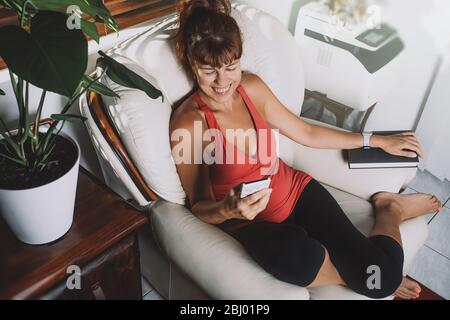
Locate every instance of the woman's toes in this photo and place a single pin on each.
(405, 294)
(409, 289)
(401, 296)
(437, 204)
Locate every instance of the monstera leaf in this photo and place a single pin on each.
(93, 8)
(97, 87)
(90, 29)
(125, 77)
(50, 56)
(68, 117)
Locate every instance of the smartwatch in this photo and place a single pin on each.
(366, 137)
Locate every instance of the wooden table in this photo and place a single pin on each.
(102, 243)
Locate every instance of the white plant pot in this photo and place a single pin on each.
(42, 214)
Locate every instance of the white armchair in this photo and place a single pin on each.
(183, 257)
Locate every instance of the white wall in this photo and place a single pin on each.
(434, 127)
(399, 109)
(285, 10)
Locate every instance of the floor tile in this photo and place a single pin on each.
(152, 295)
(433, 270)
(427, 183)
(439, 233)
(146, 287)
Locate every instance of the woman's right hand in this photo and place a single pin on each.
(233, 207)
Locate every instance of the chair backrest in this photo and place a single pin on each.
(141, 124)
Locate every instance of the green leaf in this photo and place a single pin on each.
(127, 78)
(98, 87)
(16, 160)
(45, 141)
(93, 8)
(11, 143)
(2, 93)
(68, 117)
(90, 29)
(51, 56)
(17, 6)
(6, 4)
(98, 7)
(7, 137)
(45, 155)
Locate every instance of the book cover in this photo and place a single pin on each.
(377, 158)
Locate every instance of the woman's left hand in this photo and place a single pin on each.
(403, 144)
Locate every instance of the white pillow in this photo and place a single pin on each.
(143, 126)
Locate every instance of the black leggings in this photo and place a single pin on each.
(293, 251)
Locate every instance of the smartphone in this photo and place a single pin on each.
(248, 188)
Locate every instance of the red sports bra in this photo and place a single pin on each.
(227, 172)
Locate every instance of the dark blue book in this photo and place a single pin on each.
(377, 158)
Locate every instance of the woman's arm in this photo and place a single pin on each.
(290, 125)
(194, 176)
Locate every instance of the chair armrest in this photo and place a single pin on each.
(330, 167)
(213, 259)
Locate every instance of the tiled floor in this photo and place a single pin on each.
(148, 293)
(432, 264)
(426, 182)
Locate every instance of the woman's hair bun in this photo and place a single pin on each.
(185, 8)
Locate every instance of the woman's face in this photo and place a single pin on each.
(219, 84)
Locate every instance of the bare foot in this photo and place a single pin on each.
(409, 289)
(406, 205)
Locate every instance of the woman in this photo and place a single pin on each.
(294, 229)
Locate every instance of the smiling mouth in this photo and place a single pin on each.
(222, 90)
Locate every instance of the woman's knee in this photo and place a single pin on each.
(382, 280)
(375, 278)
(372, 268)
(386, 274)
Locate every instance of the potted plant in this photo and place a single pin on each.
(48, 48)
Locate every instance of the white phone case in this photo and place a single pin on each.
(252, 187)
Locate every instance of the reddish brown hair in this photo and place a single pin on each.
(207, 34)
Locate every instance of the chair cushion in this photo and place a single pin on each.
(143, 123)
(217, 263)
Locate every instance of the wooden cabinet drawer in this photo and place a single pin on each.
(115, 274)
